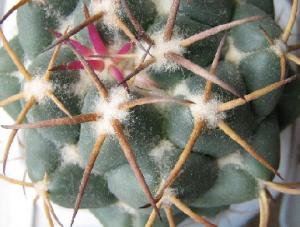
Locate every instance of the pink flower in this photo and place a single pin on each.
(99, 49)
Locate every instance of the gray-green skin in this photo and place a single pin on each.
(143, 128)
(116, 216)
(185, 190)
(108, 32)
(212, 142)
(37, 19)
(261, 65)
(10, 83)
(96, 193)
(205, 12)
(45, 157)
(237, 183)
(267, 5)
(204, 184)
(201, 53)
(63, 83)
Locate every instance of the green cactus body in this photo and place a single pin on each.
(219, 171)
(63, 85)
(10, 84)
(38, 19)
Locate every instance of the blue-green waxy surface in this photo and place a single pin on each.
(9, 81)
(205, 11)
(6, 64)
(10, 85)
(250, 37)
(63, 83)
(64, 187)
(143, 128)
(202, 53)
(212, 141)
(259, 70)
(34, 21)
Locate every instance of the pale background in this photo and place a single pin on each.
(17, 210)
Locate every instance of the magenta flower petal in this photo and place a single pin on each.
(96, 65)
(59, 68)
(73, 65)
(96, 40)
(76, 65)
(83, 50)
(123, 50)
(118, 74)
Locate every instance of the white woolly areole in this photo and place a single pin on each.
(70, 155)
(233, 54)
(27, 62)
(42, 2)
(159, 50)
(158, 152)
(279, 47)
(207, 111)
(163, 6)
(168, 193)
(51, 11)
(65, 23)
(41, 187)
(18, 75)
(109, 7)
(128, 209)
(37, 88)
(83, 85)
(231, 159)
(109, 110)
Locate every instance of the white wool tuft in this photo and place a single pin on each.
(181, 89)
(18, 75)
(70, 155)
(207, 111)
(27, 62)
(159, 50)
(66, 23)
(109, 110)
(37, 88)
(231, 159)
(279, 47)
(41, 187)
(163, 6)
(128, 209)
(168, 193)
(41, 2)
(158, 152)
(83, 85)
(233, 54)
(109, 7)
(52, 12)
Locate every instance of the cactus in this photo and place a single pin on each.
(138, 109)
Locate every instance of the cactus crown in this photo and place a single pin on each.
(153, 104)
